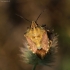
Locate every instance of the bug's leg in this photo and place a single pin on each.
(50, 42)
(48, 30)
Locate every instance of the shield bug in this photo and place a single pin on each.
(37, 39)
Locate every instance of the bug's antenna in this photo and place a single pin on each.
(23, 18)
(40, 15)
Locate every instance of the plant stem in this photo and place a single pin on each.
(34, 67)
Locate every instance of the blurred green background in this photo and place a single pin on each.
(12, 30)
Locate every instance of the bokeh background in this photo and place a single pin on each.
(12, 28)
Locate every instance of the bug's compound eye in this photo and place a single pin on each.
(32, 28)
(35, 27)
